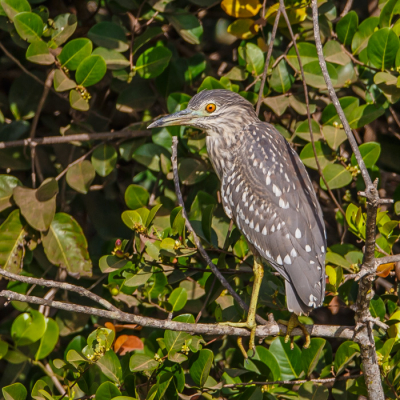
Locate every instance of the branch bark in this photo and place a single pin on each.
(80, 137)
(365, 293)
(271, 329)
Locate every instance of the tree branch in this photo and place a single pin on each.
(365, 292)
(79, 137)
(60, 285)
(269, 53)
(196, 239)
(271, 329)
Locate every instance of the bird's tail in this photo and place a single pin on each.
(294, 303)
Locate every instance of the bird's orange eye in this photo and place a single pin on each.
(210, 107)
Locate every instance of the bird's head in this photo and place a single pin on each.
(213, 110)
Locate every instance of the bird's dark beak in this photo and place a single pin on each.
(183, 117)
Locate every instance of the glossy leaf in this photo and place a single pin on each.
(74, 52)
(281, 79)
(336, 176)
(307, 51)
(153, 62)
(114, 60)
(49, 340)
(91, 70)
(65, 245)
(77, 102)
(314, 77)
(200, 367)
(334, 136)
(347, 27)
(80, 176)
(370, 153)
(324, 155)
(7, 185)
(110, 366)
(362, 36)
(382, 48)
(312, 354)
(344, 354)
(142, 362)
(254, 58)
(364, 115)
(175, 340)
(107, 391)
(187, 25)
(289, 360)
(104, 159)
(313, 391)
(14, 7)
(29, 26)
(177, 299)
(109, 35)
(28, 328)
(63, 27)
(39, 53)
(136, 196)
(16, 391)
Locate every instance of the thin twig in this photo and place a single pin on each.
(269, 53)
(60, 285)
(282, 6)
(271, 329)
(79, 137)
(196, 239)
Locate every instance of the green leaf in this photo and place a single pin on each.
(110, 366)
(139, 279)
(74, 52)
(313, 391)
(61, 81)
(370, 153)
(377, 308)
(329, 114)
(289, 360)
(261, 359)
(132, 219)
(49, 340)
(382, 48)
(200, 368)
(12, 238)
(336, 176)
(361, 37)
(7, 185)
(364, 115)
(142, 362)
(104, 159)
(334, 136)
(210, 83)
(175, 340)
(187, 25)
(77, 102)
(136, 196)
(390, 9)
(80, 176)
(153, 62)
(324, 155)
(39, 53)
(149, 155)
(38, 214)
(148, 34)
(335, 54)
(64, 26)
(28, 328)
(109, 35)
(65, 245)
(16, 391)
(152, 214)
(347, 27)
(192, 171)
(3, 348)
(312, 354)
(307, 51)
(107, 391)
(344, 354)
(14, 7)
(29, 26)
(136, 97)
(178, 299)
(91, 70)
(114, 60)
(254, 58)
(303, 130)
(314, 77)
(281, 79)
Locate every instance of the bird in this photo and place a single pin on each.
(267, 192)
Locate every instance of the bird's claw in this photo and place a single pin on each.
(295, 323)
(252, 327)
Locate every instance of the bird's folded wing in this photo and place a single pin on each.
(270, 196)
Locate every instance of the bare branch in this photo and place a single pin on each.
(79, 137)
(303, 78)
(387, 260)
(269, 53)
(60, 285)
(365, 292)
(271, 329)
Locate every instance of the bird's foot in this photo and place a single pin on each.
(295, 323)
(252, 326)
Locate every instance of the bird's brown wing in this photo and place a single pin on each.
(270, 196)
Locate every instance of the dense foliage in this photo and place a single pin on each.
(111, 221)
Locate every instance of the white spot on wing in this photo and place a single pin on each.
(293, 252)
(279, 260)
(308, 248)
(287, 259)
(297, 233)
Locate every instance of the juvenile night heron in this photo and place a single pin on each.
(266, 190)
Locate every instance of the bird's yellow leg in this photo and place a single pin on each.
(295, 323)
(258, 270)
